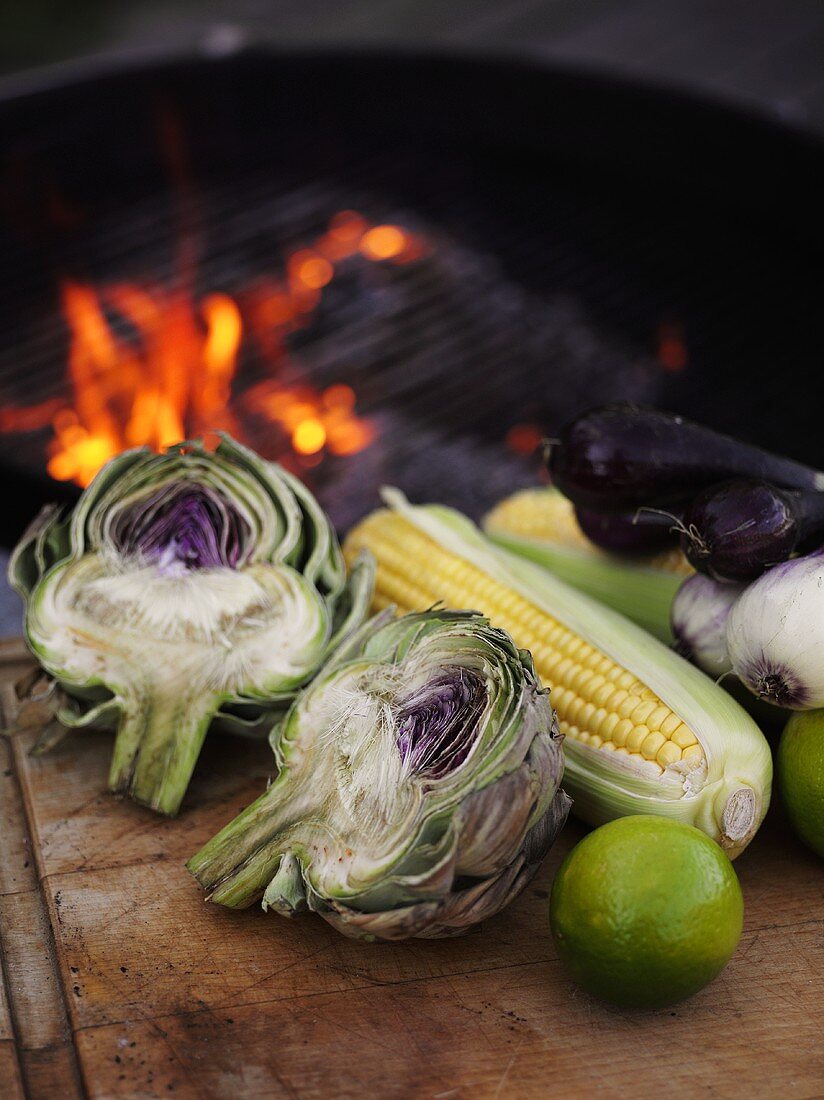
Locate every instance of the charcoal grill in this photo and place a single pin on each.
(574, 227)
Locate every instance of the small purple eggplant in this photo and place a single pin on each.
(734, 531)
(644, 531)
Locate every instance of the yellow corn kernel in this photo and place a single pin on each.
(693, 753)
(667, 754)
(626, 706)
(572, 708)
(657, 718)
(626, 680)
(643, 692)
(683, 737)
(586, 715)
(642, 712)
(608, 726)
(651, 744)
(621, 732)
(597, 683)
(563, 668)
(670, 724)
(636, 737)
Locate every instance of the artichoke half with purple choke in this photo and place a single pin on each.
(184, 589)
(418, 786)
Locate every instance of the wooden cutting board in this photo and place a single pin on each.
(120, 981)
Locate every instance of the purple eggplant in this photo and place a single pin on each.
(618, 457)
(644, 531)
(733, 532)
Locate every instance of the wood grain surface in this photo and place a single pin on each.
(120, 981)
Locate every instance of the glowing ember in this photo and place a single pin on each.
(383, 242)
(524, 439)
(150, 365)
(312, 421)
(309, 436)
(311, 270)
(672, 351)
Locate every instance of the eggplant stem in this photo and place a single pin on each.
(677, 522)
(546, 446)
(692, 533)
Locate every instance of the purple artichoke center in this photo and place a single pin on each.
(183, 527)
(438, 725)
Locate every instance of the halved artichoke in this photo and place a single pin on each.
(417, 790)
(183, 587)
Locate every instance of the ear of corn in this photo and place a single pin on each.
(539, 524)
(645, 731)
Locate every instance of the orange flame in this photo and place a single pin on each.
(150, 366)
(174, 382)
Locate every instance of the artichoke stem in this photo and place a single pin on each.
(238, 864)
(158, 741)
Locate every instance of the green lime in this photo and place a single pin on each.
(645, 911)
(801, 775)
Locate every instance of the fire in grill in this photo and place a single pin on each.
(366, 298)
